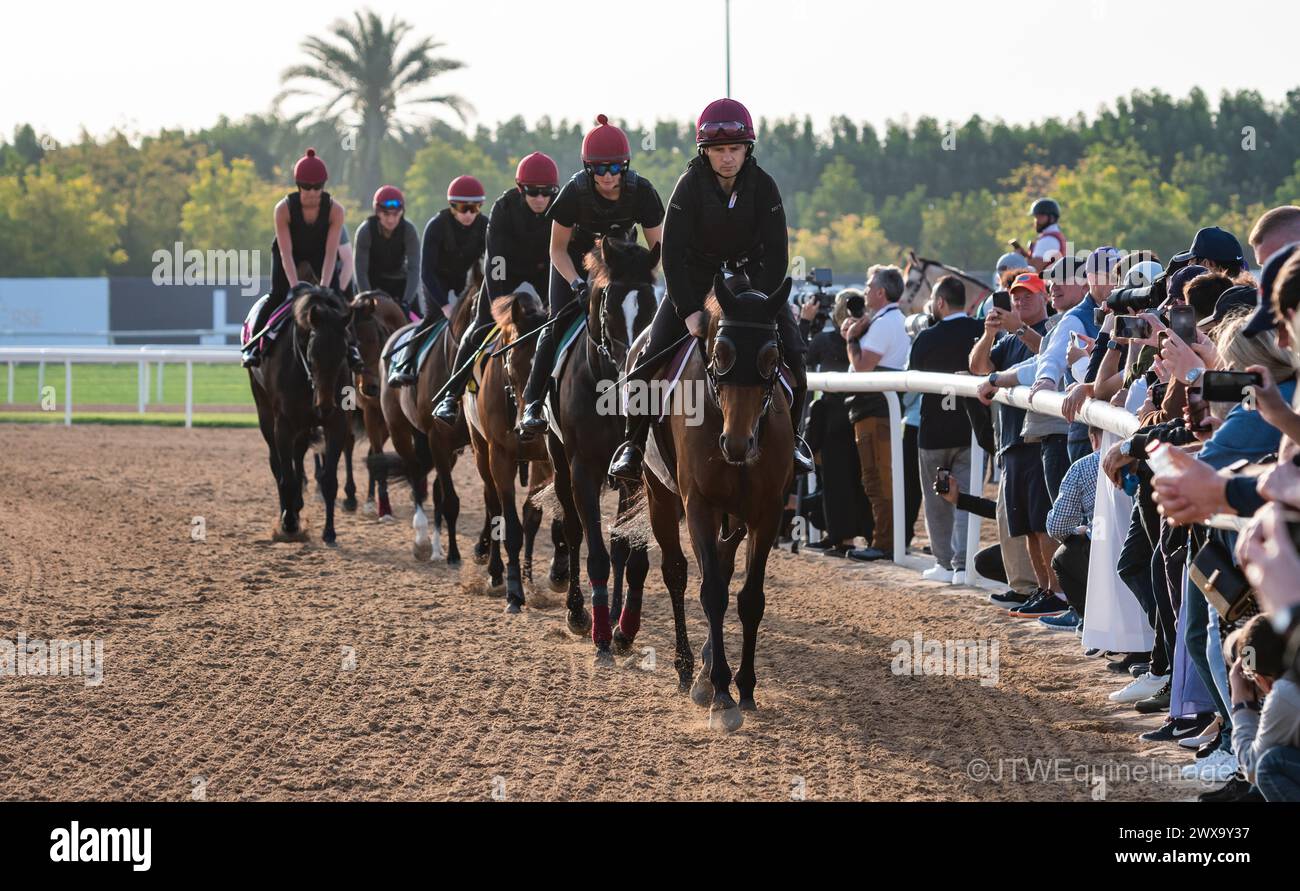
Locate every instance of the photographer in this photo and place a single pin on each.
(878, 341)
(1265, 710)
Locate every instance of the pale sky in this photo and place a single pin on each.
(145, 65)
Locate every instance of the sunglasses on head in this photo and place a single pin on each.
(724, 130)
(534, 191)
(465, 207)
(605, 168)
(311, 187)
(390, 204)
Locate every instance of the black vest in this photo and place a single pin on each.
(308, 238)
(523, 239)
(600, 217)
(727, 229)
(461, 248)
(387, 255)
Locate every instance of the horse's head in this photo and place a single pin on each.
(621, 275)
(370, 336)
(321, 319)
(915, 284)
(518, 314)
(742, 362)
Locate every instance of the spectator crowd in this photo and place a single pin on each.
(1172, 552)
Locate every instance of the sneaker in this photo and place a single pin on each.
(1137, 669)
(1131, 659)
(1091, 651)
(840, 551)
(937, 573)
(959, 577)
(1147, 685)
(1177, 729)
(1219, 767)
(1238, 789)
(866, 555)
(1009, 598)
(1066, 621)
(1154, 704)
(822, 545)
(1208, 734)
(1045, 604)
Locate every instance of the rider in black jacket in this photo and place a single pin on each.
(604, 199)
(724, 215)
(518, 254)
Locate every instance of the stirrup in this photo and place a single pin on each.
(252, 358)
(533, 421)
(447, 409)
(627, 463)
(803, 462)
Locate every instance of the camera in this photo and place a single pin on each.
(1127, 301)
(820, 278)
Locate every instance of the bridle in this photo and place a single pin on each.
(715, 380)
(612, 350)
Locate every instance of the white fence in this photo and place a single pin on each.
(143, 356)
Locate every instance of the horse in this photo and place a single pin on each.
(920, 275)
(375, 318)
(296, 388)
(734, 463)
(424, 444)
(492, 412)
(585, 429)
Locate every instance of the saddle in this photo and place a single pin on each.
(409, 342)
(271, 330)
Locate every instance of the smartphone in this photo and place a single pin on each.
(1002, 300)
(941, 480)
(1198, 411)
(1132, 327)
(1228, 386)
(1019, 249)
(1182, 321)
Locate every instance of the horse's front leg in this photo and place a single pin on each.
(750, 601)
(329, 475)
(702, 522)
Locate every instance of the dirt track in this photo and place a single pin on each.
(224, 660)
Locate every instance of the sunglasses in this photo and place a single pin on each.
(460, 207)
(605, 169)
(311, 187)
(391, 204)
(534, 191)
(724, 130)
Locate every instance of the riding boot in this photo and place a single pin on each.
(629, 457)
(449, 407)
(533, 422)
(403, 370)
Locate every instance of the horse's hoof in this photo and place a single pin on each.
(330, 542)
(603, 658)
(727, 719)
(480, 557)
(622, 646)
(514, 608)
(280, 535)
(557, 584)
(368, 509)
(747, 704)
(423, 551)
(684, 683)
(350, 505)
(702, 691)
(453, 560)
(387, 518)
(580, 624)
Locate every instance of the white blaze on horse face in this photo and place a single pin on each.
(630, 306)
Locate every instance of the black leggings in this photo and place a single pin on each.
(560, 295)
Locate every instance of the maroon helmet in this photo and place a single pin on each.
(537, 169)
(466, 189)
(387, 195)
(310, 169)
(723, 122)
(605, 143)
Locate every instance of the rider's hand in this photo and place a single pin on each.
(695, 323)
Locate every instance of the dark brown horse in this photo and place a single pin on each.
(736, 463)
(423, 444)
(492, 413)
(297, 388)
(375, 318)
(586, 428)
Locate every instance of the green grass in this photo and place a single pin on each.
(116, 384)
(157, 419)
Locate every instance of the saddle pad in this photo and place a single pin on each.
(565, 342)
(405, 343)
(273, 324)
(469, 401)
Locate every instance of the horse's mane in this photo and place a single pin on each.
(503, 312)
(599, 274)
(313, 297)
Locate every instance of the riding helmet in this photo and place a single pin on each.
(1045, 206)
(722, 112)
(310, 169)
(388, 193)
(537, 169)
(466, 189)
(605, 142)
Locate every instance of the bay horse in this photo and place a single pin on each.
(297, 388)
(375, 318)
(424, 444)
(585, 429)
(492, 412)
(735, 464)
(920, 275)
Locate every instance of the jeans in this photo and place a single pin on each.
(947, 525)
(911, 481)
(1277, 774)
(1196, 612)
(1056, 461)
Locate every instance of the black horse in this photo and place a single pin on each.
(297, 388)
(584, 412)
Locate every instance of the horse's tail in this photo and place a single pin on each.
(392, 466)
(358, 422)
(633, 520)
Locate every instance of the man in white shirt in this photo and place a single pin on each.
(1049, 242)
(877, 342)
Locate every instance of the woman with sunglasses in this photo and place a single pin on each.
(388, 250)
(307, 228)
(725, 215)
(604, 199)
(518, 255)
(453, 242)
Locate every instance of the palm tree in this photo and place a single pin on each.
(370, 87)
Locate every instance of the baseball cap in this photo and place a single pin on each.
(1235, 298)
(1103, 259)
(1065, 271)
(1263, 319)
(1030, 281)
(1178, 282)
(1215, 244)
